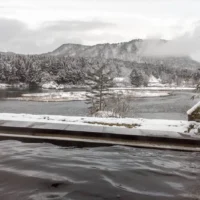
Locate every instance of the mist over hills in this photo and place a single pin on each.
(133, 60)
(138, 50)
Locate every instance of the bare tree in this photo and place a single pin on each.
(197, 90)
(119, 105)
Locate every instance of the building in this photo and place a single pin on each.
(194, 113)
(154, 82)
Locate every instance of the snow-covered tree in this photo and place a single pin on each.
(36, 69)
(138, 78)
(99, 79)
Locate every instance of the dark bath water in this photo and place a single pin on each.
(48, 172)
(171, 107)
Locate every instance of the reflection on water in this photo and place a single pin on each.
(17, 92)
(45, 171)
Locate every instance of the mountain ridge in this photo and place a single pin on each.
(135, 50)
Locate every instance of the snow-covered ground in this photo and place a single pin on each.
(154, 84)
(19, 85)
(54, 85)
(154, 88)
(81, 95)
(54, 96)
(4, 85)
(174, 127)
(133, 93)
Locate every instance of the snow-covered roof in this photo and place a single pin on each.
(191, 110)
(153, 79)
(119, 79)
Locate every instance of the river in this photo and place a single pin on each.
(170, 107)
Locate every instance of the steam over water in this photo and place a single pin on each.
(48, 172)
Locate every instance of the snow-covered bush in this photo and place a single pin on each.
(194, 128)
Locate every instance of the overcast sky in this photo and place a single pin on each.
(37, 26)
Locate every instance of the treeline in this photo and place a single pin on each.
(168, 75)
(34, 69)
(37, 69)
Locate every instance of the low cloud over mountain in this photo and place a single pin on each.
(187, 44)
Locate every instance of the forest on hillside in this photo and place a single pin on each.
(37, 69)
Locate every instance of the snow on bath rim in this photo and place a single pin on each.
(173, 127)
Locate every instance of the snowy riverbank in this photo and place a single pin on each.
(175, 128)
(81, 95)
(56, 86)
(17, 85)
(155, 88)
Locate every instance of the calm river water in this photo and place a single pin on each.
(171, 107)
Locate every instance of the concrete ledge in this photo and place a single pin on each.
(82, 142)
(89, 135)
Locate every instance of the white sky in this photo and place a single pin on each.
(36, 26)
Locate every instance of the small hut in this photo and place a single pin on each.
(194, 113)
(154, 82)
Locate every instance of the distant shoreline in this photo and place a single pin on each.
(82, 95)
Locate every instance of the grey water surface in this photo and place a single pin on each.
(170, 107)
(48, 172)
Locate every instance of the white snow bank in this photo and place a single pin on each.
(4, 85)
(177, 127)
(81, 95)
(52, 85)
(133, 93)
(54, 96)
(67, 86)
(191, 110)
(56, 86)
(106, 114)
(16, 85)
(154, 88)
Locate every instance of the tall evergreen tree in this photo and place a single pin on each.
(138, 78)
(99, 80)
